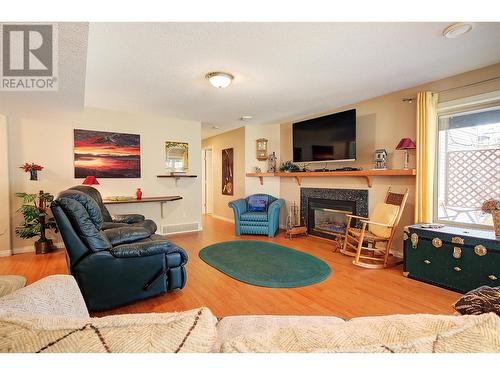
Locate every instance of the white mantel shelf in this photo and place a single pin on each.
(367, 174)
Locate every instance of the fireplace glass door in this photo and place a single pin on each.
(327, 218)
(330, 221)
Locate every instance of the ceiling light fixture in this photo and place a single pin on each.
(457, 29)
(219, 80)
(246, 118)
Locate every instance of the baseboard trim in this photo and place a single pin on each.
(5, 253)
(182, 231)
(223, 218)
(31, 249)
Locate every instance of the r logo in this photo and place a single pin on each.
(29, 57)
(27, 50)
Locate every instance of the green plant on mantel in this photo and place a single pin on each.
(288, 166)
(36, 219)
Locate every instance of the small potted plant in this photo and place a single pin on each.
(36, 220)
(288, 166)
(492, 206)
(33, 169)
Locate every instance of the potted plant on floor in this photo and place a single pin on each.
(36, 220)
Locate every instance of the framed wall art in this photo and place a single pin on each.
(106, 154)
(177, 157)
(227, 171)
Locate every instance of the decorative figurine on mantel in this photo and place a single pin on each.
(380, 159)
(271, 160)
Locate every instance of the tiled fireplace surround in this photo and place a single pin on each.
(352, 200)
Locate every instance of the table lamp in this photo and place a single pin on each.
(90, 180)
(406, 144)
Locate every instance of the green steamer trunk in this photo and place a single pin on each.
(458, 259)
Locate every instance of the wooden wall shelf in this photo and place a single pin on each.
(176, 177)
(161, 200)
(367, 174)
(167, 198)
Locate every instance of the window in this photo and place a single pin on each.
(468, 169)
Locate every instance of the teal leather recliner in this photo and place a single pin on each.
(117, 265)
(257, 214)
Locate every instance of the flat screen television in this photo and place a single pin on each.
(327, 138)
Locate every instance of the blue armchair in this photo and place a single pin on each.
(248, 221)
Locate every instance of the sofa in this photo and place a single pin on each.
(118, 265)
(50, 316)
(262, 218)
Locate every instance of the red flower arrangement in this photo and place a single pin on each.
(31, 167)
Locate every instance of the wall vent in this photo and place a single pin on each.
(179, 228)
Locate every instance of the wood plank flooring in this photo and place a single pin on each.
(348, 292)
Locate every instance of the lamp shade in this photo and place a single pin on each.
(406, 144)
(90, 180)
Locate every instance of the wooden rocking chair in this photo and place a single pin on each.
(379, 229)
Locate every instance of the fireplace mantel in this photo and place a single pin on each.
(367, 174)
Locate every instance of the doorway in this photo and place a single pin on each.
(207, 182)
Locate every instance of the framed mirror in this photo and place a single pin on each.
(177, 156)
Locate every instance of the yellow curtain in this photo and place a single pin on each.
(426, 155)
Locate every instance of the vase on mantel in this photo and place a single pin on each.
(138, 194)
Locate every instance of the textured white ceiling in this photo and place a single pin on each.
(282, 70)
(70, 96)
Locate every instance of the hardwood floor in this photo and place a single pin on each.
(348, 292)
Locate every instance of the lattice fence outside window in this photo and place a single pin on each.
(472, 177)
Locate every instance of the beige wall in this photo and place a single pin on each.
(381, 123)
(49, 141)
(4, 190)
(233, 139)
(272, 134)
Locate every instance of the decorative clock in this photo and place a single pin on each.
(261, 149)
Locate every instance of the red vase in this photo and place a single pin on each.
(138, 193)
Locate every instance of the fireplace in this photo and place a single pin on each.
(325, 210)
(327, 217)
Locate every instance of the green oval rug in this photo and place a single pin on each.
(265, 264)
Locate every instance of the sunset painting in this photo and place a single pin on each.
(107, 155)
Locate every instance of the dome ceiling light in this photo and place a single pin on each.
(219, 80)
(457, 29)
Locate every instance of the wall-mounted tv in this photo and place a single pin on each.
(327, 138)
